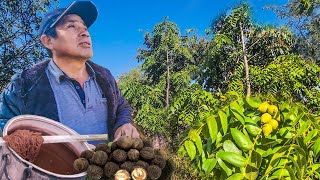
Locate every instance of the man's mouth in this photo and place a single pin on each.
(85, 44)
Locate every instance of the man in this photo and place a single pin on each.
(69, 88)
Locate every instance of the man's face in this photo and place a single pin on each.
(72, 40)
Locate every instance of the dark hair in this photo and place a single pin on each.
(51, 33)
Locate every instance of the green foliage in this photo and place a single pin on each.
(289, 76)
(217, 128)
(289, 151)
(187, 109)
(165, 50)
(148, 100)
(19, 43)
(303, 18)
(222, 68)
(164, 47)
(266, 43)
(152, 120)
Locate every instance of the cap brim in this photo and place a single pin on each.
(85, 9)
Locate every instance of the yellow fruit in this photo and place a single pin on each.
(266, 117)
(272, 109)
(274, 124)
(263, 107)
(267, 129)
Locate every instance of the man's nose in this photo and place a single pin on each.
(84, 33)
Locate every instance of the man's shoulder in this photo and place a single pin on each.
(36, 70)
(30, 75)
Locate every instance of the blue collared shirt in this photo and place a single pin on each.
(83, 110)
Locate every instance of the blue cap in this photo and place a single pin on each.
(85, 9)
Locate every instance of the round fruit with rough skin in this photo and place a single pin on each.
(272, 109)
(266, 117)
(267, 129)
(263, 107)
(274, 124)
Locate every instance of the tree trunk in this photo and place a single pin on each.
(246, 65)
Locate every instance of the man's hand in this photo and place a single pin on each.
(126, 129)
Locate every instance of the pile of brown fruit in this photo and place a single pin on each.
(127, 158)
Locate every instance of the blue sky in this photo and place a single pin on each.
(121, 24)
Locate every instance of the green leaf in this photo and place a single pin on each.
(299, 149)
(296, 167)
(251, 173)
(241, 140)
(194, 136)
(224, 121)
(256, 118)
(253, 102)
(252, 128)
(232, 158)
(191, 149)
(226, 169)
(291, 173)
(256, 159)
(228, 146)
(251, 113)
(277, 154)
(281, 173)
(236, 176)
(213, 127)
(303, 127)
(286, 132)
(208, 146)
(218, 140)
(181, 151)
(208, 165)
(316, 147)
(314, 167)
(238, 115)
(234, 105)
(310, 135)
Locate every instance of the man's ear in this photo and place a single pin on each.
(46, 41)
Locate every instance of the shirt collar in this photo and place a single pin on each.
(59, 75)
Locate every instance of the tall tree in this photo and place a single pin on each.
(303, 17)
(19, 43)
(163, 44)
(224, 64)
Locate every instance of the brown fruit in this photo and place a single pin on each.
(141, 164)
(154, 172)
(128, 165)
(95, 172)
(133, 155)
(103, 147)
(99, 158)
(81, 164)
(119, 156)
(124, 142)
(147, 153)
(159, 161)
(137, 143)
(110, 168)
(114, 146)
(86, 154)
